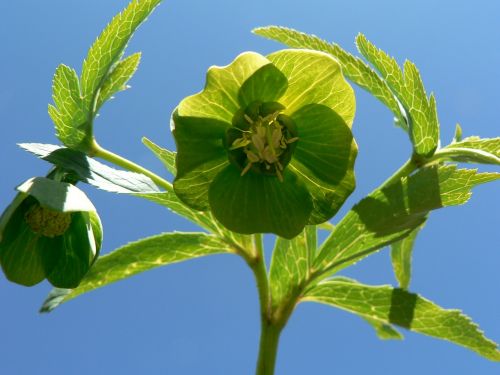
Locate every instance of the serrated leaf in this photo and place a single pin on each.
(353, 68)
(473, 150)
(91, 171)
(395, 306)
(167, 157)
(289, 267)
(69, 114)
(109, 46)
(401, 257)
(383, 330)
(170, 200)
(407, 86)
(390, 214)
(117, 79)
(137, 257)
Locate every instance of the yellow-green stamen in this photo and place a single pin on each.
(47, 222)
(264, 143)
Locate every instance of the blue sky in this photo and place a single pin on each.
(201, 317)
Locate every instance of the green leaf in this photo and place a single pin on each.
(91, 171)
(256, 203)
(353, 67)
(289, 267)
(204, 219)
(171, 201)
(324, 158)
(390, 214)
(117, 79)
(401, 257)
(383, 330)
(457, 137)
(411, 311)
(167, 157)
(408, 87)
(314, 78)
(137, 257)
(473, 150)
(219, 98)
(109, 46)
(69, 113)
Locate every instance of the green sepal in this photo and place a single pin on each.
(314, 78)
(58, 196)
(265, 85)
(20, 255)
(68, 258)
(324, 158)
(219, 98)
(200, 156)
(255, 203)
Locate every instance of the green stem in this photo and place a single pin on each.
(98, 151)
(404, 171)
(270, 331)
(268, 348)
(258, 265)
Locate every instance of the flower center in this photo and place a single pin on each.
(262, 139)
(47, 222)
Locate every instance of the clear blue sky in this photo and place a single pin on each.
(201, 317)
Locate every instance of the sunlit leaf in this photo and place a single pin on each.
(390, 214)
(289, 267)
(473, 150)
(109, 46)
(69, 113)
(137, 257)
(91, 171)
(401, 257)
(407, 86)
(117, 79)
(353, 67)
(395, 306)
(167, 157)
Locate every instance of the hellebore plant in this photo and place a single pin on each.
(266, 147)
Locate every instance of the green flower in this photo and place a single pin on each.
(51, 230)
(267, 145)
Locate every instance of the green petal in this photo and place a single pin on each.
(255, 203)
(97, 231)
(58, 196)
(67, 258)
(20, 254)
(219, 98)
(324, 156)
(267, 84)
(314, 78)
(200, 156)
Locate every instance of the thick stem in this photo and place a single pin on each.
(270, 331)
(268, 348)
